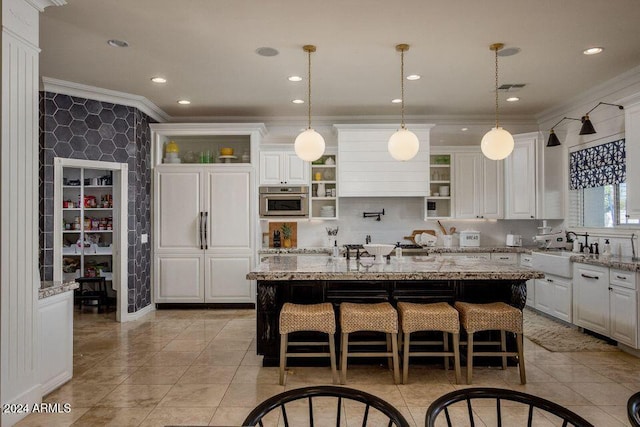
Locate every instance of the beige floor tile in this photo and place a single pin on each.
(161, 417)
(541, 359)
(512, 416)
(190, 345)
(202, 335)
(555, 392)
(362, 374)
(218, 344)
(620, 372)
(603, 393)
(596, 416)
(194, 395)
(107, 374)
(303, 376)
(220, 358)
(591, 358)
(575, 373)
(458, 412)
(206, 374)
(256, 375)
(235, 415)
(133, 395)
(172, 358)
(249, 394)
(149, 375)
(79, 394)
(390, 393)
(618, 412)
(116, 417)
(252, 359)
(52, 420)
(429, 374)
(418, 395)
(127, 359)
(534, 375)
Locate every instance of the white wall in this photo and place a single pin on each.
(402, 215)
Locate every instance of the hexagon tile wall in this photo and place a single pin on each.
(80, 128)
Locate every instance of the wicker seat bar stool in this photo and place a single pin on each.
(380, 317)
(430, 317)
(307, 317)
(487, 317)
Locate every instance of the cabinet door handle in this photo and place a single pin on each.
(621, 277)
(206, 240)
(586, 276)
(610, 288)
(550, 280)
(200, 230)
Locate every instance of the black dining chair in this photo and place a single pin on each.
(443, 403)
(633, 409)
(278, 403)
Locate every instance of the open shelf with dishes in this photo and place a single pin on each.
(204, 149)
(439, 203)
(323, 198)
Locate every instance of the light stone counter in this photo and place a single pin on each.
(276, 268)
(51, 288)
(620, 263)
(423, 251)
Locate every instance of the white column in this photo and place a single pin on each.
(19, 279)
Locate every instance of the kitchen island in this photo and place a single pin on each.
(421, 279)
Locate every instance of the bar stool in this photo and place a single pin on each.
(430, 317)
(493, 316)
(307, 317)
(381, 317)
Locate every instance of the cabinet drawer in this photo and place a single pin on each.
(590, 272)
(526, 260)
(505, 258)
(626, 279)
(472, 255)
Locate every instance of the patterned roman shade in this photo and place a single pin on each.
(597, 166)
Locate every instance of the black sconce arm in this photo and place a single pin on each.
(620, 107)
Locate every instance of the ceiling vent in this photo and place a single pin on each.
(511, 87)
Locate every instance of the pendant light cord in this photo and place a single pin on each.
(309, 86)
(496, 51)
(402, 85)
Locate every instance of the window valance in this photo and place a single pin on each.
(597, 166)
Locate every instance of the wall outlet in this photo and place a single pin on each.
(144, 238)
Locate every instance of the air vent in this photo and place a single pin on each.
(511, 87)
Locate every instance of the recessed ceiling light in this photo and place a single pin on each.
(413, 77)
(396, 101)
(294, 78)
(184, 102)
(266, 51)
(117, 43)
(464, 129)
(513, 99)
(158, 80)
(593, 50)
(298, 101)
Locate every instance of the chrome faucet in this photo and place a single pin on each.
(634, 256)
(367, 239)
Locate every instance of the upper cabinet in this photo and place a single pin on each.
(520, 178)
(204, 143)
(283, 168)
(478, 186)
(366, 169)
(632, 147)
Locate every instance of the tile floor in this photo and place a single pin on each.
(199, 367)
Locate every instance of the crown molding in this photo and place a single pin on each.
(607, 89)
(208, 128)
(42, 4)
(105, 95)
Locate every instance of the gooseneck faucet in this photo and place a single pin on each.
(367, 239)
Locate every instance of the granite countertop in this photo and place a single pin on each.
(620, 263)
(426, 250)
(51, 288)
(410, 268)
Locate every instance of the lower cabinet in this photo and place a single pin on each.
(606, 302)
(55, 318)
(552, 295)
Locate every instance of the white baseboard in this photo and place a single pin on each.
(140, 313)
(30, 397)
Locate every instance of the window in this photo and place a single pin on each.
(598, 189)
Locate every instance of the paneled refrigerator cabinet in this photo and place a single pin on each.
(203, 228)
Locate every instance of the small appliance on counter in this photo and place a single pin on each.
(514, 240)
(551, 240)
(469, 238)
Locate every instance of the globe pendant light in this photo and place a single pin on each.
(497, 144)
(403, 144)
(309, 145)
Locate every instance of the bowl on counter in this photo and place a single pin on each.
(380, 250)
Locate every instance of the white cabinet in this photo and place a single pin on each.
(553, 296)
(505, 258)
(623, 309)
(590, 297)
(520, 178)
(366, 169)
(283, 167)
(526, 260)
(323, 201)
(478, 186)
(55, 324)
(203, 234)
(439, 202)
(632, 147)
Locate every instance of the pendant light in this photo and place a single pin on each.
(497, 144)
(309, 145)
(403, 144)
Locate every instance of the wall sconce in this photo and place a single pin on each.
(587, 126)
(553, 138)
